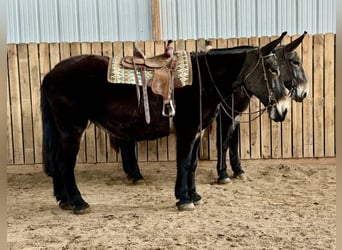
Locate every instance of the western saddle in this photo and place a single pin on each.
(163, 81)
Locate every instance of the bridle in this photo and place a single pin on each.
(289, 69)
(224, 104)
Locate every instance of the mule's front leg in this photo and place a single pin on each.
(195, 197)
(184, 165)
(181, 189)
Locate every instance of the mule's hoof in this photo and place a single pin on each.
(240, 177)
(196, 199)
(138, 182)
(224, 181)
(198, 202)
(65, 206)
(185, 206)
(83, 210)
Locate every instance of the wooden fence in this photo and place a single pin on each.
(308, 131)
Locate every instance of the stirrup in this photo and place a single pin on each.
(171, 110)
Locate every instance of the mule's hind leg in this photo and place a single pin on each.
(129, 160)
(223, 132)
(234, 157)
(69, 147)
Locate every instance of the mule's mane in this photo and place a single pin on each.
(235, 50)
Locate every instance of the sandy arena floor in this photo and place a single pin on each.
(282, 204)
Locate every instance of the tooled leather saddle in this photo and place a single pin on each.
(163, 81)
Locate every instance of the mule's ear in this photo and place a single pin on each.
(208, 45)
(267, 49)
(294, 44)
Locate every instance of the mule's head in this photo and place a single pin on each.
(262, 78)
(291, 69)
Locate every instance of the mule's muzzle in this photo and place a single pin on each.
(300, 92)
(278, 110)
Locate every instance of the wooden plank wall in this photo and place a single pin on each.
(308, 131)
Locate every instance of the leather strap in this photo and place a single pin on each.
(136, 82)
(145, 97)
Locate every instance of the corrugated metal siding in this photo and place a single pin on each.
(78, 20)
(123, 20)
(245, 18)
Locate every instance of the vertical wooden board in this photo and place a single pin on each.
(35, 94)
(118, 50)
(276, 133)
(18, 147)
(307, 59)
(232, 42)
(318, 95)
(153, 48)
(75, 49)
(90, 131)
(141, 46)
(44, 59)
(222, 43)
(128, 48)
(242, 41)
(190, 45)
(180, 44)
(10, 156)
(254, 106)
(265, 124)
(26, 111)
(286, 128)
(111, 155)
(100, 135)
(329, 97)
(54, 54)
(212, 142)
(200, 44)
(296, 121)
(171, 139)
(213, 42)
(245, 142)
(64, 48)
(142, 146)
(107, 49)
(161, 146)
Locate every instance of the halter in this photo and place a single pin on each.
(289, 69)
(223, 102)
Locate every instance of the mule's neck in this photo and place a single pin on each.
(219, 71)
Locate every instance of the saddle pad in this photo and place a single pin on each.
(119, 74)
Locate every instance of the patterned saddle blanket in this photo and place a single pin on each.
(117, 73)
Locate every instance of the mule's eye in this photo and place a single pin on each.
(274, 71)
(295, 62)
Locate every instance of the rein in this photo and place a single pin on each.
(223, 102)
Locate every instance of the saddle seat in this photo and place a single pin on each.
(163, 81)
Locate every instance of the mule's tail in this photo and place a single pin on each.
(50, 149)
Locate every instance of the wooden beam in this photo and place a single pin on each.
(156, 25)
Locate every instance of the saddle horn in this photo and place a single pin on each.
(294, 44)
(267, 49)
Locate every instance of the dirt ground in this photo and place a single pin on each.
(285, 204)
